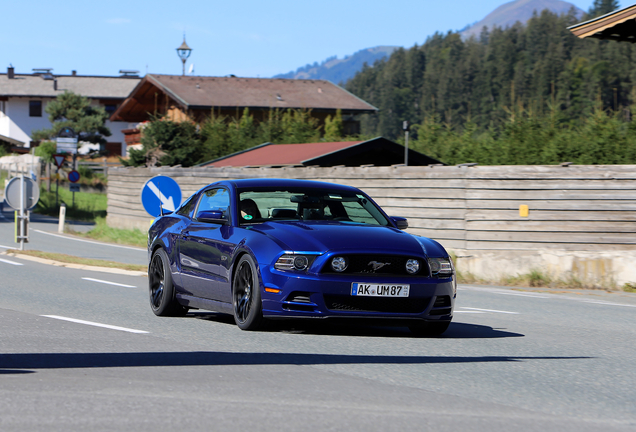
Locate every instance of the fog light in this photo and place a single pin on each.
(339, 264)
(412, 266)
(301, 262)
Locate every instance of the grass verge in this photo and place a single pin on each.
(82, 261)
(88, 206)
(102, 232)
(630, 287)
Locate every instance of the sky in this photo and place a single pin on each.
(246, 38)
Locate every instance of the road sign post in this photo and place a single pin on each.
(160, 194)
(59, 161)
(66, 141)
(74, 177)
(22, 194)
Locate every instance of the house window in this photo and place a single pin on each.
(35, 108)
(110, 108)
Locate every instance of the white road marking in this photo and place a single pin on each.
(473, 312)
(540, 296)
(7, 247)
(522, 295)
(11, 262)
(503, 292)
(95, 324)
(490, 310)
(607, 303)
(89, 241)
(109, 283)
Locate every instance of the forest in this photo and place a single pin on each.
(527, 94)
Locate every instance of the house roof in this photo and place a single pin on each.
(102, 87)
(201, 92)
(619, 25)
(377, 151)
(269, 154)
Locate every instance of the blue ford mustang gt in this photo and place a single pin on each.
(275, 248)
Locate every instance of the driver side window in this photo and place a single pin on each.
(214, 199)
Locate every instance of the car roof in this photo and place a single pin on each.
(294, 183)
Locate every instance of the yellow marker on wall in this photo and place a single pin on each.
(523, 210)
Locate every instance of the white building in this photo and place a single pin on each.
(23, 100)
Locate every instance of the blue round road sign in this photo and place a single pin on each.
(73, 176)
(158, 193)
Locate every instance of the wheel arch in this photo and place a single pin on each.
(237, 257)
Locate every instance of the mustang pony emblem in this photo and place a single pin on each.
(377, 265)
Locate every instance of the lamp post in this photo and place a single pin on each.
(184, 52)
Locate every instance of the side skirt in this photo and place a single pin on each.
(206, 304)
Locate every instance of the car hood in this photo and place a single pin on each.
(321, 236)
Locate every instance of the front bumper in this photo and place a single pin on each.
(329, 296)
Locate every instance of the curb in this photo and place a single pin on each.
(75, 266)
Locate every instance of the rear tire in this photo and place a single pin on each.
(429, 329)
(161, 288)
(246, 295)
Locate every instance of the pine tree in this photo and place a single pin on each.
(75, 111)
(601, 7)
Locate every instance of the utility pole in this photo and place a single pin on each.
(405, 127)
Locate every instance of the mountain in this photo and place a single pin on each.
(340, 70)
(520, 10)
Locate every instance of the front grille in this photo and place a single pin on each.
(373, 304)
(394, 265)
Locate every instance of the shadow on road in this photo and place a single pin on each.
(362, 328)
(152, 359)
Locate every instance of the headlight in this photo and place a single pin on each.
(412, 266)
(440, 267)
(301, 262)
(292, 261)
(339, 264)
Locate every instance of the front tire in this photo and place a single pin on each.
(246, 295)
(161, 288)
(429, 329)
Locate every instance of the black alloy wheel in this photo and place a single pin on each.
(246, 296)
(161, 288)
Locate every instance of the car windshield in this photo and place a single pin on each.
(268, 204)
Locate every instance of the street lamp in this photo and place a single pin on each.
(184, 52)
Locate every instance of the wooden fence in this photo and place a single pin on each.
(576, 208)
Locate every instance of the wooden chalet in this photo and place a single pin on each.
(619, 25)
(196, 97)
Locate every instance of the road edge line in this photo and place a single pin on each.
(75, 266)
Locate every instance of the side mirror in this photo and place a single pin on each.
(214, 216)
(400, 222)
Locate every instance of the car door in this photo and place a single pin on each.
(199, 252)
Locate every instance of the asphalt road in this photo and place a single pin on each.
(81, 350)
(44, 237)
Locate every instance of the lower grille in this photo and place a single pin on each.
(372, 304)
(441, 302)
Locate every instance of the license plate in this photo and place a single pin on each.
(379, 290)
